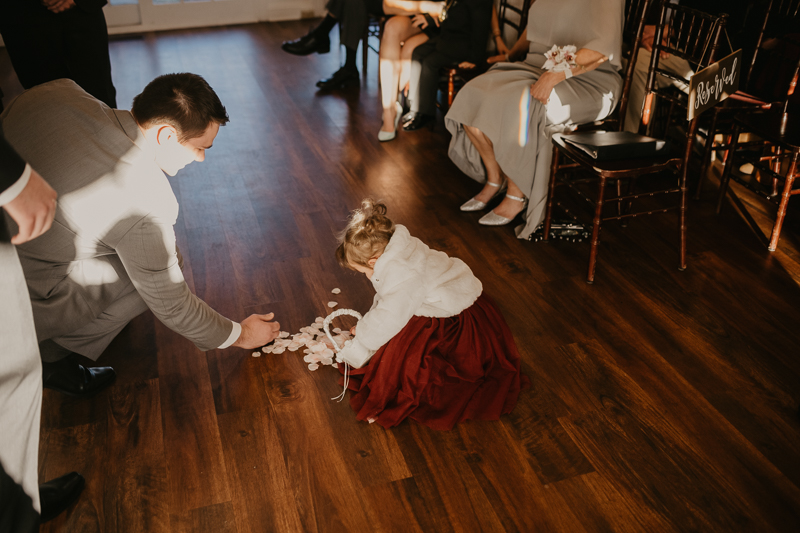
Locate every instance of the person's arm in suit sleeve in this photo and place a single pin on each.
(150, 257)
(25, 196)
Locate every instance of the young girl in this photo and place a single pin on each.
(439, 351)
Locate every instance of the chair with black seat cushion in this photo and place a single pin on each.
(765, 84)
(681, 31)
(776, 161)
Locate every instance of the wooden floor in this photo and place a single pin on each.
(662, 401)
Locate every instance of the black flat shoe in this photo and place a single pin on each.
(340, 79)
(418, 121)
(308, 44)
(70, 378)
(58, 494)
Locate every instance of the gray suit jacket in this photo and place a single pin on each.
(115, 217)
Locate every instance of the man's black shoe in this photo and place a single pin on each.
(70, 378)
(341, 78)
(418, 121)
(58, 494)
(308, 44)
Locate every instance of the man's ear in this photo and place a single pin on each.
(371, 262)
(165, 134)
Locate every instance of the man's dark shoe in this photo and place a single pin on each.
(308, 44)
(418, 121)
(58, 494)
(341, 78)
(68, 377)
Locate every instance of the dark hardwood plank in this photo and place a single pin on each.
(136, 495)
(82, 449)
(628, 435)
(218, 518)
(600, 507)
(195, 467)
(260, 488)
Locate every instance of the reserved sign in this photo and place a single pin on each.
(714, 84)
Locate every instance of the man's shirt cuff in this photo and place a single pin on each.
(233, 337)
(10, 194)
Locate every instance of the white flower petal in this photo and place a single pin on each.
(313, 366)
(332, 304)
(336, 291)
(256, 354)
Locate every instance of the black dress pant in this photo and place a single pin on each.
(426, 66)
(45, 46)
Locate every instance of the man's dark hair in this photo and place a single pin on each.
(185, 101)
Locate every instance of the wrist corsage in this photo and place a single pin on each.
(560, 59)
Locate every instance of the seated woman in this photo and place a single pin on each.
(503, 120)
(401, 35)
(462, 39)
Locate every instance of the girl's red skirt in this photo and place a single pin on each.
(441, 371)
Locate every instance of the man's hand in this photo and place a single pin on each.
(58, 6)
(257, 330)
(33, 209)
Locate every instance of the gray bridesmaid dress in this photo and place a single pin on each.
(498, 102)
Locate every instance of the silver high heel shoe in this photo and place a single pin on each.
(493, 219)
(476, 205)
(384, 136)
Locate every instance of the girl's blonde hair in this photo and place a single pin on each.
(366, 235)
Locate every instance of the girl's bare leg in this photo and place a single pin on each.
(396, 31)
(494, 174)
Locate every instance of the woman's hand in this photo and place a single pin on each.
(466, 65)
(58, 6)
(544, 85)
(502, 49)
(419, 21)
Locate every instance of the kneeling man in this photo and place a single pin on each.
(111, 253)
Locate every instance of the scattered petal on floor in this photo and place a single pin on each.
(317, 348)
(332, 304)
(336, 291)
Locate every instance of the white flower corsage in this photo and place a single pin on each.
(560, 59)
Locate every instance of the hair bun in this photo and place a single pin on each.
(370, 208)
